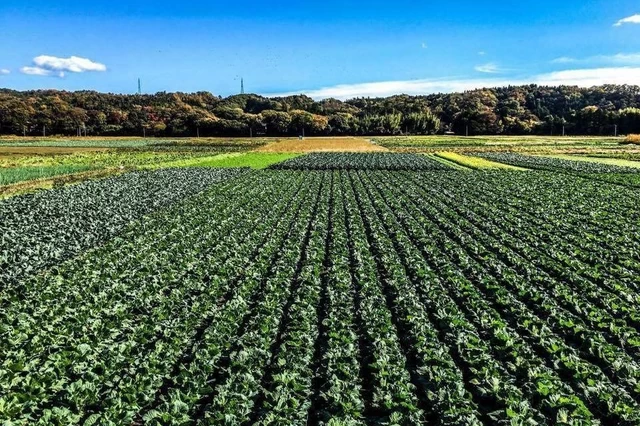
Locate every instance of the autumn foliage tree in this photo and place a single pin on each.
(514, 110)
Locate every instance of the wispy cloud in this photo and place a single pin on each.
(622, 58)
(34, 71)
(388, 88)
(4, 71)
(490, 68)
(563, 60)
(591, 77)
(424, 45)
(634, 19)
(617, 59)
(482, 53)
(576, 77)
(45, 65)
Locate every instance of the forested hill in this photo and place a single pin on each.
(514, 110)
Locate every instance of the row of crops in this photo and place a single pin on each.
(360, 161)
(42, 229)
(555, 164)
(340, 297)
(592, 170)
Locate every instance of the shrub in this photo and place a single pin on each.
(635, 139)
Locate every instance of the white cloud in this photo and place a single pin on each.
(34, 71)
(45, 65)
(4, 71)
(618, 59)
(424, 45)
(71, 64)
(389, 88)
(622, 58)
(564, 60)
(634, 19)
(577, 77)
(489, 68)
(482, 53)
(591, 77)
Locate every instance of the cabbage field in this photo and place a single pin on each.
(381, 290)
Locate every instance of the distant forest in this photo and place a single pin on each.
(517, 110)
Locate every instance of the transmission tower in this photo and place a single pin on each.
(139, 87)
(242, 86)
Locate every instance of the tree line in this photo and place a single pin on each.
(514, 110)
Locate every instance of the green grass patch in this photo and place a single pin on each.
(476, 163)
(204, 161)
(21, 174)
(128, 159)
(255, 160)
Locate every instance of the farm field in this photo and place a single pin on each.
(563, 163)
(321, 144)
(328, 289)
(472, 162)
(254, 160)
(19, 174)
(495, 141)
(360, 161)
(126, 142)
(620, 162)
(34, 164)
(524, 144)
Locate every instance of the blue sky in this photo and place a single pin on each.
(331, 48)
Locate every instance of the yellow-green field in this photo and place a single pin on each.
(254, 160)
(475, 163)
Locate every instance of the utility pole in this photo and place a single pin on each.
(24, 131)
(563, 134)
(467, 130)
(616, 130)
(139, 87)
(198, 132)
(303, 133)
(250, 131)
(44, 131)
(242, 86)
(144, 132)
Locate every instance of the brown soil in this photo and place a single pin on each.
(322, 145)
